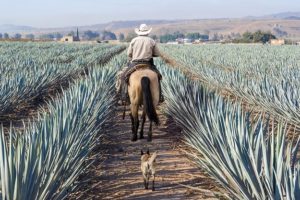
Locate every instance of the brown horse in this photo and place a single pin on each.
(143, 89)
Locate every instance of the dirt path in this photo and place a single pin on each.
(119, 175)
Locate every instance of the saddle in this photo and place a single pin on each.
(140, 66)
(133, 69)
(126, 75)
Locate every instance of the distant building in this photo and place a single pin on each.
(71, 38)
(184, 41)
(172, 42)
(277, 41)
(187, 41)
(179, 40)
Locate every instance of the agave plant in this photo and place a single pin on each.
(44, 160)
(264, 76)
(244, 156)
(30, 72)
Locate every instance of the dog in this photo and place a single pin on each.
(148, 168)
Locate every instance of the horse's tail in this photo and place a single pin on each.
(147, 101)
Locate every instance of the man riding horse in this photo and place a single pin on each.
(141, 51)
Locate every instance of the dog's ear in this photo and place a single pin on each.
(142, 153)
(148, 152)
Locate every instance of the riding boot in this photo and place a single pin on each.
(161, 97)
(122, 85)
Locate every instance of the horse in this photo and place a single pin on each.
(143, 89)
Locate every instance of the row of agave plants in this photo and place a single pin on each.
(250, 160)
(265, 76)
(29, 71)
(44, 160)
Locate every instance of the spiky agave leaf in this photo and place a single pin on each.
(35, 71)
(44, 161)
(248, 160)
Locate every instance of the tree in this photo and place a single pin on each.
(130, 36)
(5, 36)
(196, 36)
(17, 36)
(193, 36)
(57, 36)
(279, 32)
(178, 34)
(121, 37)
(214, 37)
(72, 33)
(167, 38)
(258, 36)
(48, 36)
(237, 36)
(89, 35)
(29, 36)
(1, 36)
(247, 37)
(107, 35)
(220, 37)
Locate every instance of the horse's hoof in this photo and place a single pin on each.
(141, 137)
(134, 138)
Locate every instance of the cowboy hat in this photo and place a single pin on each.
(143, 30)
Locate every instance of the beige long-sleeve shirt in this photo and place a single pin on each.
(142, 48)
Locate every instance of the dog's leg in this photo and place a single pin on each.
(153, 188)
(142, 127)
(150, 132)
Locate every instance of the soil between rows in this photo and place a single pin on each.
(118, 175)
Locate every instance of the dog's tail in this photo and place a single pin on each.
(152, 158)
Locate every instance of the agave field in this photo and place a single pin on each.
(251, 158)
(263, 76)
(31, 71)
(44, 159)
(248, 158)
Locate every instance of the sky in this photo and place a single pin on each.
(60, 13)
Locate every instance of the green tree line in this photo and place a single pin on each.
(256, 37)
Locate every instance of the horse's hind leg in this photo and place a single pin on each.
(145, 184)
(153, 182)
(134, 122)
(150, 132)
(142, 127)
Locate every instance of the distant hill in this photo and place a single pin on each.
(10, 28)
(284, 15)
(293, 18)
(286, 22)
(129, 24)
